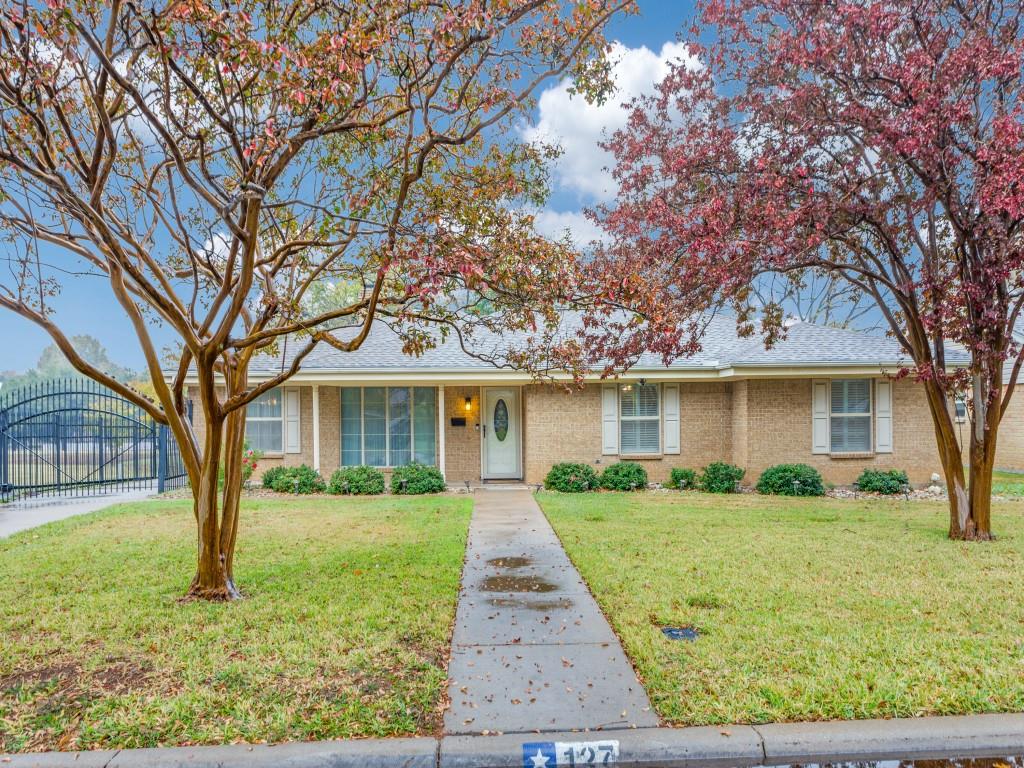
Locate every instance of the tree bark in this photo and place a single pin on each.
(216, 507)
(969, 504)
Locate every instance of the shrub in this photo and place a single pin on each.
(359, 481)
(271, 476)
(571, 478)
(300, 479)
(681, 477)
(791, 480)
(624, 476)
(418, 478)
(720, 477)
(877, 481)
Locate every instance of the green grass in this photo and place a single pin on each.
(808, 608)
(1008, 483)
(344, 631)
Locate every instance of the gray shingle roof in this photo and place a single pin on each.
(805, 345)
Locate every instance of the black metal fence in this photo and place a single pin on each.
(76, 437)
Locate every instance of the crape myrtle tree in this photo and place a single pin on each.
(207, 164)
(876, 141)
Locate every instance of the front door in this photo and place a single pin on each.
(499, 420)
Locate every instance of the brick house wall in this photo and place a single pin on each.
(1010, 442)
(462, 444)
(753, 424)
(779, 431)
(305, 456)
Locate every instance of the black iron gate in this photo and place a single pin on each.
(76, 437)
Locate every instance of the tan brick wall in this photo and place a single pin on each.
(779, 431)
(330, 430)
(1010, 443)
(740, 424)
(286, 459)
(753, 423)
(462, 444)
(560, 426)
(566, 426)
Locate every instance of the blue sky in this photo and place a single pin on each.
(87, 306)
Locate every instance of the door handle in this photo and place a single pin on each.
(484, 428)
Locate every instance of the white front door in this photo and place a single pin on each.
(499, 420)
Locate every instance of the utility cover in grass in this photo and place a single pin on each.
(688, 634)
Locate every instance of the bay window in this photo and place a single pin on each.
(388, 426)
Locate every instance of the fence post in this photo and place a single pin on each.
(161, 457)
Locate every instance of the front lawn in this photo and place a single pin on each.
(807, 608)
(344, 631)
(1008, 483)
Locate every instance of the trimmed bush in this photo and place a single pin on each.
(418, 478)
(877, 481)
(680, 477)
(571, 478)
(358, 481)
(300, 479)
(720, 477)
(272, 475)
(624, 476)
(791, 480)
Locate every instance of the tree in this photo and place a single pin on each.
(878, 141)
(53, 364)
(814, 297)
(214, 161)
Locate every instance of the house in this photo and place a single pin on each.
(1010, 445)
(822, 396)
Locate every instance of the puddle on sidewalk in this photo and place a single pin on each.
(531, 605)
(517, 584)
(510, 562)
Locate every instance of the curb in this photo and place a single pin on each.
(742, 746)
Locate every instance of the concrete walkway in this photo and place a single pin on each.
(531, 650)
(22, 515)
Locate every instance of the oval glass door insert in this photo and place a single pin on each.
(500, 420)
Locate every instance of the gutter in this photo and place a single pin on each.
(742, 746)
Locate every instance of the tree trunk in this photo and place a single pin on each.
(217, 517)
(969, 505)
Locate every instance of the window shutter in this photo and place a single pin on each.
(670, 424)
(292, 440)
(820, 416)
(609, 419)
(883, 416)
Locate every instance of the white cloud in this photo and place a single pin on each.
(556, 224)
(577, 126)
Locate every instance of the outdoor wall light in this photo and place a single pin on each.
(469, 403)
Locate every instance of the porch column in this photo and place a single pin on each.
(440, 431)
(316, 427)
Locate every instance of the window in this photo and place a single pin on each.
(639, 419)
(388, 426)
(264, 422)
(961, 410)
(851, 416)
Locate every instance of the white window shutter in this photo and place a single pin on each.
(609, 419)
(292, 436)
(670, 422)
(883, 416)
(820, 416)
